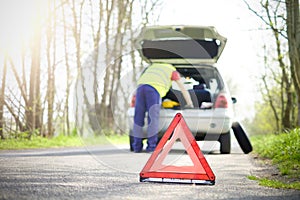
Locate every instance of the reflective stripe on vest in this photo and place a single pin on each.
(158, 76)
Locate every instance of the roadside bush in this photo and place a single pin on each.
(283, 149)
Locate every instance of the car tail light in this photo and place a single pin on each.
(221, 101)
(132, 103)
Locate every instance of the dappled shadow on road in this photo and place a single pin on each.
(63, 152)
(95, 151)
(295, 196)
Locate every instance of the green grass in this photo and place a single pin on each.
(60, 141)
(284, 151)
(275, 183)
(111, 139)
(40, 142)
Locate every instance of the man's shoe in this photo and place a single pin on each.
(149, 150)
(137, 151)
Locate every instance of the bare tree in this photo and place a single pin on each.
(96, 33)
(26, 109)
(22, 87)
(14, 107)
(106, 114)
(26, 101)
(33, 109)
(273, 17)
(68, 74)
(119, 19)
(2, 95)
(77, 9)
(269, 96)
(51, 51)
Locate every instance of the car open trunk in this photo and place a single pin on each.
(180, 45)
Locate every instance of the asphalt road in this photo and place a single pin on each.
(112, 172)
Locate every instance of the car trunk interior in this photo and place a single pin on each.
(202, 83)
(185, 48)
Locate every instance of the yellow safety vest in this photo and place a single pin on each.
(158, 75)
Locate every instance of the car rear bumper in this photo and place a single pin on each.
(207, 121)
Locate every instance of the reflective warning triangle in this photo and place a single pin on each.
(156, 171)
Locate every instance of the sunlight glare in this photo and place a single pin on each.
(18, 20)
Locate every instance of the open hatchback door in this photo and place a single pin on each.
(180, 44)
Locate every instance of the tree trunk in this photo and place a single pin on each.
(286, 95)
(293, 32)
(80, 82)
(96, 50)
(2, 97)
(68, 76)
(33, 107)
(51, 42)
(105, 106)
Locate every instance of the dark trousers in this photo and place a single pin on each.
(147, 101)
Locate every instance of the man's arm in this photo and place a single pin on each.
(185, 94)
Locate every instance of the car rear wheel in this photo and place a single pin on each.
(225, 143)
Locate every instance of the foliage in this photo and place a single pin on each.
(263, 121)
(284, 151)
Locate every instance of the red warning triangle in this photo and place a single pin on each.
(156, 171)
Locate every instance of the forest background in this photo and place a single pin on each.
(69, 66)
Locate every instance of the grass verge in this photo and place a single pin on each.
(275, 183)
(60, 141)
(284, 151)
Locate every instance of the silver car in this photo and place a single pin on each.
(194, 51)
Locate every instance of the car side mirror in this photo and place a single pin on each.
(234, 100)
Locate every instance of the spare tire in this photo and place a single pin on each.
(241, 137)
